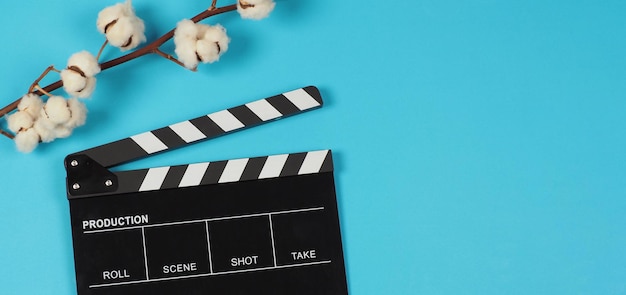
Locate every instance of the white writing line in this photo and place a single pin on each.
(203, 220)
(145, 253)
(273, 243)
(208, 243)
(210, 274)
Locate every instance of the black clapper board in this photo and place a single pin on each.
(265, 225)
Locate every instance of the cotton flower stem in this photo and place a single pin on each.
(147, 49)
(7, 134)
(43, 90)
(43, 75)
(106, 41)
(169, 57)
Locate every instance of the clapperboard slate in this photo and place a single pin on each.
(265, 225)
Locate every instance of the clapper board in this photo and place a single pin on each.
(261, 225)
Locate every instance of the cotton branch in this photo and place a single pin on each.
(151, 48)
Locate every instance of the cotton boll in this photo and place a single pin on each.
(120, 33)
(185, 37)
(79, 113)
(26, 141)
(73, 82)
(212, 44)
(62, 131)
(76, 84)
(32, 104)
(186, 52)
(255, 9)
(45, 129)
(90, 86)
(121, 26)
(207, 51)
(186, 29)
(19, 121)
(138, 35)
(86, 62)
(57, 110)
(109, 15)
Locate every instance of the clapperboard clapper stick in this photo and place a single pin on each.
(262, 225)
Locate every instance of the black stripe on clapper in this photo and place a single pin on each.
(116, 152)
(314, 92)
(174, 176)
(169, 137)
(283, 105)
(245, 115)
(293, 164)
(207, 126)
(130, 181)
(327, 166)
(253, 168)
(213, 172)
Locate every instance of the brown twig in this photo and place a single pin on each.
(43, 75)
(43, 90)
(151, 48)
(106, 41)
(169, 57)
(7, 134)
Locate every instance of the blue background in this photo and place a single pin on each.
(480, 145)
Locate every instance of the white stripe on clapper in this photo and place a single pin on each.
(154, 179)
(273, 166)
(313, 162)
(301, 99)
(233, 170)
(187, 131)
(193, 174)
(226, 120)
(264, 110)
(149, 142)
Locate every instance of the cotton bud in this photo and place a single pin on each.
(76, 84)
(121, 26)
(56, 110)
(197, 43)
(31, 103)
(255, 9)
(19, 121)
(78, 79)
(78, 112)
(85, 62)
(27, 140)
(45, 129)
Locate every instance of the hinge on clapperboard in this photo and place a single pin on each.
(197, 228)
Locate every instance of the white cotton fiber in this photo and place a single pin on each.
(121, 26)
(109, 15)
(73, 82)
(255, 9)
(27, 140)
(19, 121)
(62, 131)
(186, 29)
(57, 110)
(45, 129)
(78, 112)
(199, 42)
(77, 85)
(86, 62)
(32, 104)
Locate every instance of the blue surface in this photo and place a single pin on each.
(479, 144)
